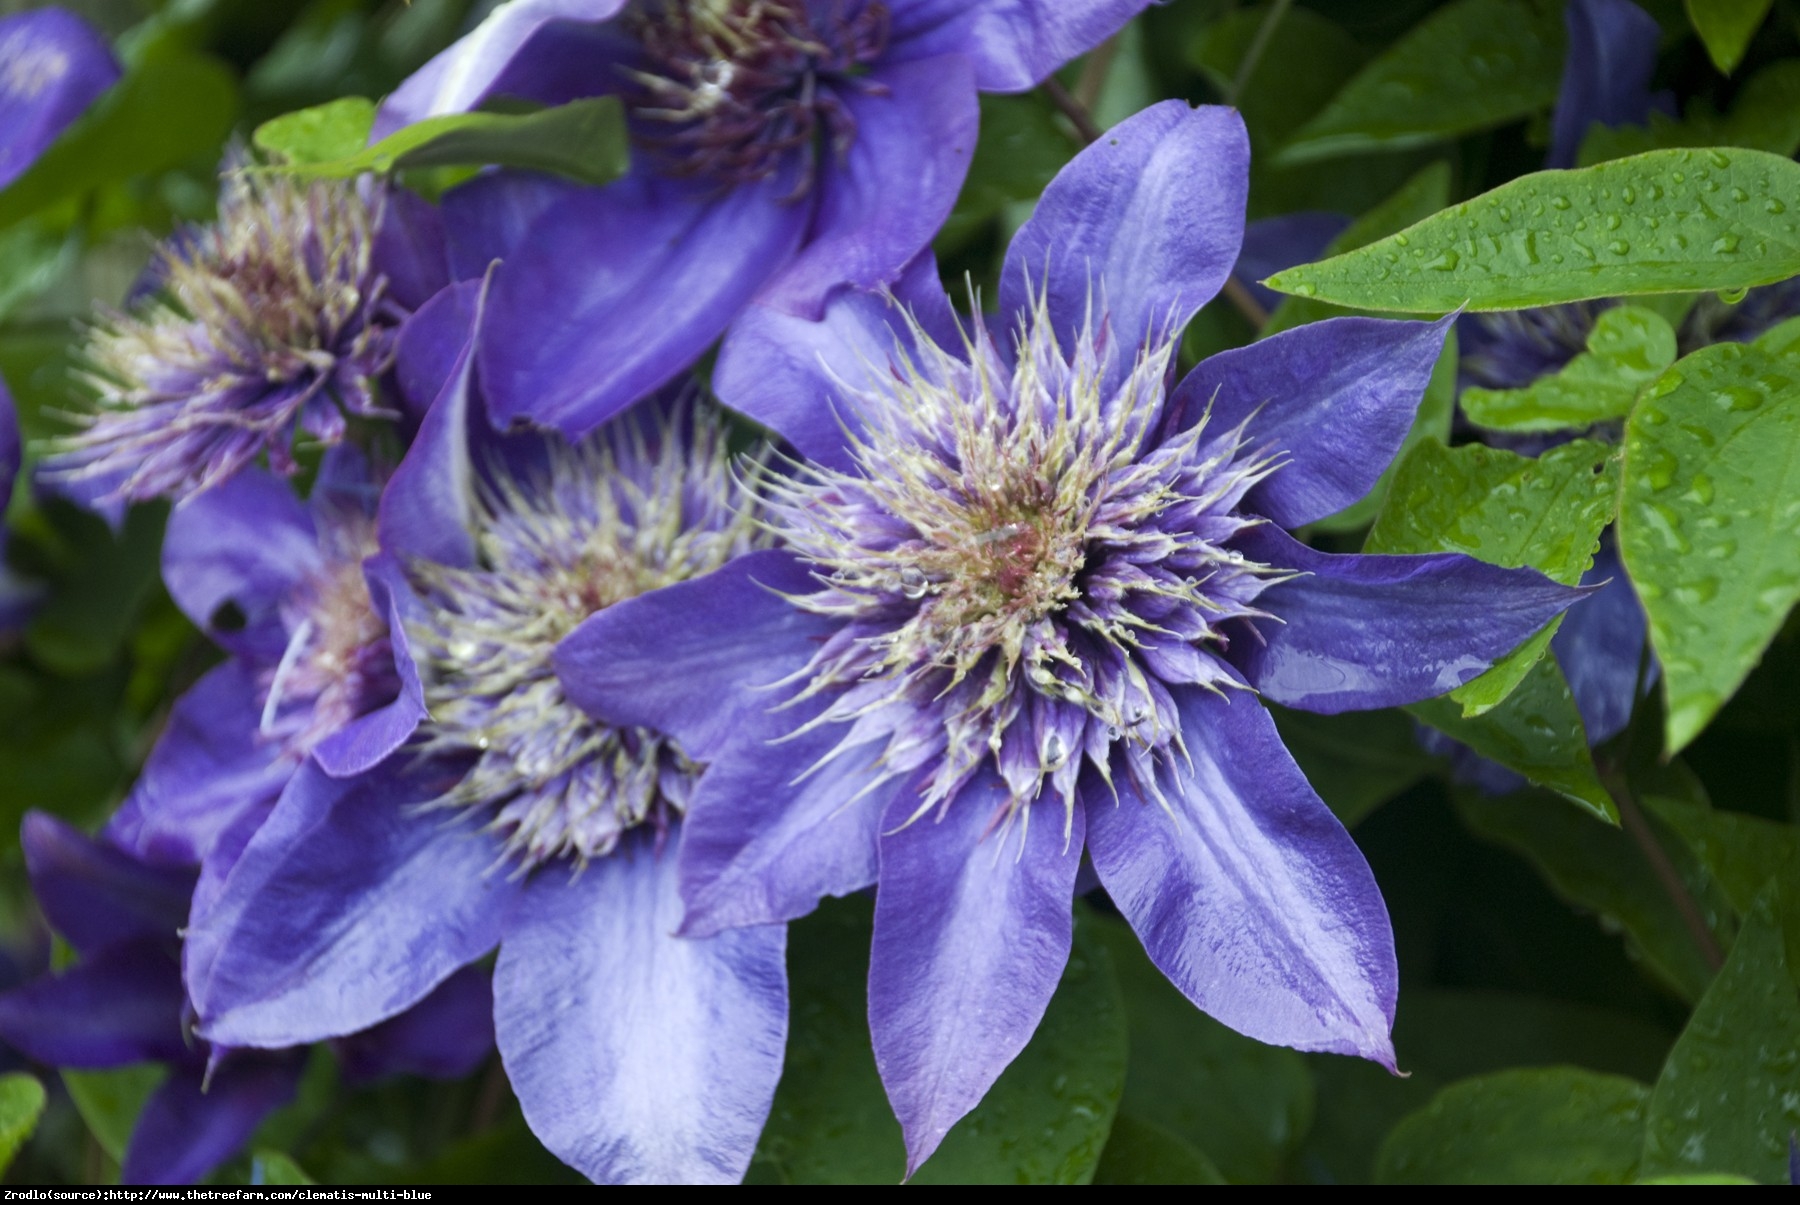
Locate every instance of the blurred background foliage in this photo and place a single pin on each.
(1580, 999)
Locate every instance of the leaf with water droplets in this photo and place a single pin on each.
(1729, 1095)
(1471, 65)
(1709, 523)
(1629, 347)
(1667, 221)
(1507, 510)
(1549, 1125)
(1726, 26)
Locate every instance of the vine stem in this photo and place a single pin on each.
(1633, 821)
(1265, 33)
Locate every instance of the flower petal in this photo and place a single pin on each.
(1337, 397)
(432, 342)
(1251, 897)
(409, 250)
(368, 740)
(641, 276)
(1362, 632)
(95, 894)
(490, 217)
(427, 510)
(122, 1005)
(789, 373)
(1600, 647)
(1015, 43)
(639, 1057)
(1606, 76)
(444, 1036)
(881, 205)
(972, 929)
(1146, 222)
(349, 906)
(194, 1121)
(56, 66)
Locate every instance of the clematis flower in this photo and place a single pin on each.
(53, 65)
(121, 1003)
(782, 147)
(274, 321)
(513, 819)
(1027, 603)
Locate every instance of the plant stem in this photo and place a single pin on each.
(1632, 819)
(1265, 33)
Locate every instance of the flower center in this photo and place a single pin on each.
(622, 513)
(729, 89)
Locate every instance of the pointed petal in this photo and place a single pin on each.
(639, 1057)
(349, 906)
(57, 65)
(1600, 647)
(368, 740)
(12, 448)
(1015, 43)
(1606, 76)
(1146, 222)
(788, 373)
(642, 276)
(189, 1126)
(1251, 897)
(431, 344)
(1337, 397)
(427, 509)
(94, 893)
(410, 250)
(122, 1005)
(881, 205)
(972, 930)
(446, 1035)
(1362, 632)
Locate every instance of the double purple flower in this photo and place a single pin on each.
(53, 65)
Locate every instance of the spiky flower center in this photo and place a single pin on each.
(730, 89)
(1024, 561)
(623, 513)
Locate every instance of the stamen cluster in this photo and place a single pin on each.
(1025, 558)
(624, 512)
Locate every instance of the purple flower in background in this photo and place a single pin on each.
(516, 820)
(1028, 601)
(1606, 73)
(122, 1003)
(53, 65)
(272, 322)
(783, 147)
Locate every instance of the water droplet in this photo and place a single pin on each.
(1559, 202)
(1619, 247)
(1659, 468)
(1733, 296)
(1445, 262)
(1719, 158)
(1773, 206)
(913, 584)
(1739, 195)
(1725, 244)
(1628, 194)
(1739, 398)
(1701, 489)
(1400, 240)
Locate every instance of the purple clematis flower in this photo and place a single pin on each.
(1606, 73)
(53, 65)
(515, 820)
(1027, 602)
(784, 147)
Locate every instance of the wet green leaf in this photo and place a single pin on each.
(1729, 1096)
(1629, 347)
(1551, 1125)
(21, 1104)
(1764, 116)
(1709, 521)
(1741, 852)
(1142, 1152)
(110, 1101)
(1662, 222)
(324, 133)
(1726, 26)
(1471, 65)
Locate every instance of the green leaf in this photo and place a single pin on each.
(173, 107)
(1629, 347)
(1709, 520)
(1601, 869)
(95, 601)
(1726, 26)
(1471, 65)
(1357, 761)
(1663, 222)
(1142, 1152)
(1765, 116)
(273, 1167)
(1020, 150)
(583, 140)
(1550, 1125)
(1242, 1104)
(1741, 852)
(110, 1101)
(1507, 510)
(1729, 1096)
(21, 1104)
(1045, 1121)
(1420, 197)
(1698, 1178)
(321, 134)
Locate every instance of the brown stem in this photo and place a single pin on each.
(1631, 818)
(1073, 109)
(1238, 294)
(1094, 72)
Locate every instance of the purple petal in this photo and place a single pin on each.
(52, 67)
(1606, 76)
(1146, 223)
(490, 217)
(409, 250)
(209, 766)
(1276, 244)
(426, 511)
(122, 1005)
(348, 907)
(1600, 647)
(1362, 632)
(789, 373)
(1015, 43)
(193, 1123)
(1251, 897)
(462, 77)
(973, 923)
(368, 740)
(248, 543)
(639, 1057)
(446, 1035)
(641, 276)
(1336, 397)
(696, 660)
(12, 448)
(96, 894)
(431, 345)
(915, 132)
